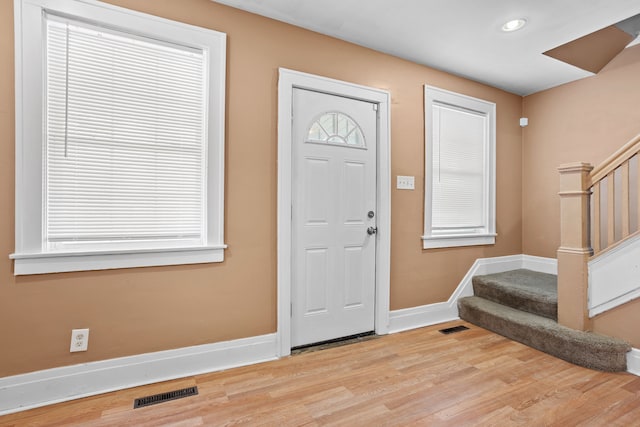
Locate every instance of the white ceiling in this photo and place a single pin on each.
(462, 37)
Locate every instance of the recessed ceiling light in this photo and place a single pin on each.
(513, 25)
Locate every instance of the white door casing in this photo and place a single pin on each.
(288, 81)
(334, 145)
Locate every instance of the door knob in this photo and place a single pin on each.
(372, 230)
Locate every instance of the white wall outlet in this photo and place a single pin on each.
(79, 340)
(405, 182)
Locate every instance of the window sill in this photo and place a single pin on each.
(60, 262)
(432, 242)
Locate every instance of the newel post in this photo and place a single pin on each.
(575, 248)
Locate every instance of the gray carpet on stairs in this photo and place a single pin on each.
(522, 305)
(525, 290)
(581, 348)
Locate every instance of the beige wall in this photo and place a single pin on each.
(586, 120)
(133, 311)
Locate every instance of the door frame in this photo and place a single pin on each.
(288, 80)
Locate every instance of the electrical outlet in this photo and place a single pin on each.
(405, 182)
(79, 340)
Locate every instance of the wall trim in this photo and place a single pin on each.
(46, 387)
(633, 361)
(35, 389)
(540, 264)
(433, 314)
(287, 81)
(613, 276)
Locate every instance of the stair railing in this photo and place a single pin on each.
(599, 209)
(615, 186)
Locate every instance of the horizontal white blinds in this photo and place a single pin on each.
(458, 161)
(125, 151)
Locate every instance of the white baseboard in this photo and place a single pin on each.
(26, 391)
(432, 314)
(633, 361)
(35, 389)
(540, 264)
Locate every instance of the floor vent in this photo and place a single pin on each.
(453, 330)
(165, 397)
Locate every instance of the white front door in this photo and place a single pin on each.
(334, 141)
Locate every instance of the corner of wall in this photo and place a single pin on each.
(523, 113)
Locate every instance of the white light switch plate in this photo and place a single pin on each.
(405, 182)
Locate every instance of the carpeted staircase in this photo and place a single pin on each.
(522, 305)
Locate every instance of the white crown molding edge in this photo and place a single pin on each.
(35, 389)
(433, 314)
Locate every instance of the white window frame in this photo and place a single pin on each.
(31, 256)
(487, 234)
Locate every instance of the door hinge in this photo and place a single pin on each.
(291, 307)
(375, 107)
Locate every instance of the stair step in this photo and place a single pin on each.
(525, 290)
(581, 348)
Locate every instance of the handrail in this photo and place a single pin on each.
(612, 162)
(612, 215)
(607, 191)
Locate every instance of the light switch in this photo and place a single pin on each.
(405, 182)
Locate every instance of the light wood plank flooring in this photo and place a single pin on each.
(419, 377)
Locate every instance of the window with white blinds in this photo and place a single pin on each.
(460, 171)
(128, 165)
(124, 138)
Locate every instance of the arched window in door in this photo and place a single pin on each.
(336, 128)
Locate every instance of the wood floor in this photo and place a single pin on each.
(420, 377)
